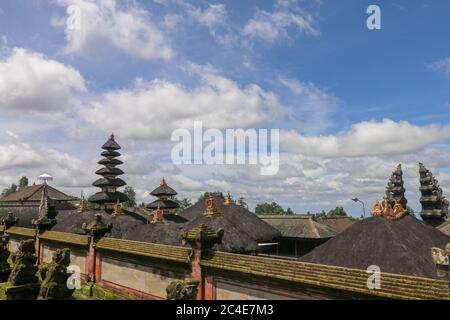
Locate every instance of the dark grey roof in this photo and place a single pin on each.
(445, 227)
(163, 204)
(243, 230)
(34, 193)
(27, 213)
(110, 153)
(296, 226)
(108, 197)
(402, 247)
(109, 170)
(337, 223)
(104, 182)
(111, 144)
(163, 190)
(110, 162)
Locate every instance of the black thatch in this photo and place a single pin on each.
(402, 247)
(110, 197)
(105, 182)
(163, 204)
(110, 162)
(110, 154)
(111, 144)
(163, 190)
(302, 227)
(337, 223)
(27, 213)
(243, 230)
(34, 193)
(109, 171)
(445, 227)
(123, 225)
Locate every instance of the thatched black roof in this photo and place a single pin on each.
(163, 190)
(34, 193)
(108, 197)
(106, 182)
(123, 225)
(111, 144)
(402, 247)
(110, 154)
(27, 213)
(445, 227)
(300, 226)
(243, 230)
(163, 204)
(110, 162)
(109, 171)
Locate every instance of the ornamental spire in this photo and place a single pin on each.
(108, 197)
(434, 204)
(394, 189)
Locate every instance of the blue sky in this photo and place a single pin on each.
(337, 91)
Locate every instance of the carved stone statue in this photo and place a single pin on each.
(442, 260)
(23, 281)
(54, 276)
(5, 268)
(377, 210)
(182, 290)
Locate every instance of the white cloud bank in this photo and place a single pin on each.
(125, 25)
(368, 138)
(31, 82)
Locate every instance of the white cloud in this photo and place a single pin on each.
(367, 138)
(18, 155)
(270, 26)
(152, 110)
(126, 26)
(441, 65)
(313, 106)
(32, 82)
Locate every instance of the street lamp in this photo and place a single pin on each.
(363, 205)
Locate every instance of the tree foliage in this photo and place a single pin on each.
(131, 194)
(272, 209)
(10, 190)
(183, 204)
(23, 182)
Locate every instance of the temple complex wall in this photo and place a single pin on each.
(78, 257)
(13, 245)
(146, 279)
(233, 290)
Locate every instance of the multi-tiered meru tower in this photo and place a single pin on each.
(109, 197)
(434, 204)
(395, 192)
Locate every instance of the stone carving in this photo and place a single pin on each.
(97, 228)
(434, 204)
(211, 208)
(157, 216)
(441, 258)
(394, 189)
(182, 290)
(228, 200)
(9, 221)
(202, 237)
(54, 276)
(23, 283)
(5, 268)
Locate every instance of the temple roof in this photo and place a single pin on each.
(110, 162)
(243, 229)
(34, 193)
(402, 247)
(110, 153)
(104, 182)
(109, 170)
(445, 227)
(28, 213)
(111, 144)
(163, 204)
(108, 197)
(163, 190)
(337, 223)
(296, 226)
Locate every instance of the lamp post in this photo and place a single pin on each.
(363, 205)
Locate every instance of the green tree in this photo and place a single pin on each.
(269, 209)
(214, 194)
(289, 211)
(10, 190)
(337, 212)
(183, 204)
(131, 194)
(242, 203)
(23, 182)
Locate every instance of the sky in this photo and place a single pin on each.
(350, 103)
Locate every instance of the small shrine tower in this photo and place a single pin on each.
(163, 193)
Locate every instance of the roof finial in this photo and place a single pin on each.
(211, 208)
(163, 182)
(377, 210)
(112, 136)
(228, 200)
(157, 216)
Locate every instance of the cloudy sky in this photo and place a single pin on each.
(350, 102)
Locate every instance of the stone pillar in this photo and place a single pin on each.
(95, 230)
(201, 239)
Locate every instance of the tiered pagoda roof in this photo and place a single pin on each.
(434, 204)
(108, 197)
(163, 193)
